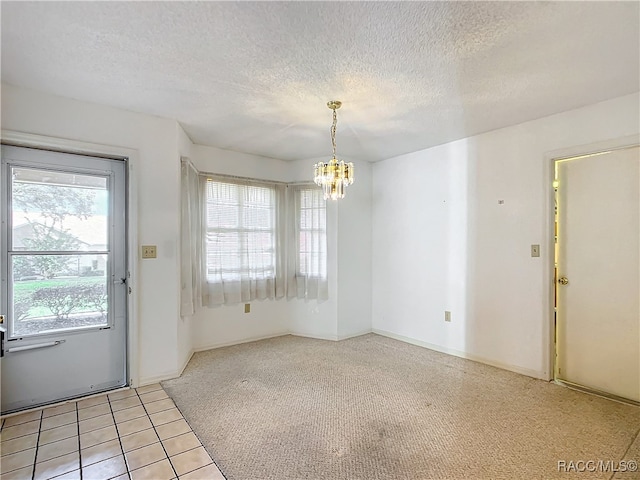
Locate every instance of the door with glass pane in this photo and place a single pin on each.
(64, 276)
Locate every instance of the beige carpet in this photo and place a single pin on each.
(374, 408)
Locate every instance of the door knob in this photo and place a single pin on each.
(563, 280)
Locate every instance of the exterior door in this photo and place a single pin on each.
(598, 264)
(64, 276)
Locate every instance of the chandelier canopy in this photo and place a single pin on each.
(333, 176)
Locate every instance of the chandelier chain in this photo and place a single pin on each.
(333, 132)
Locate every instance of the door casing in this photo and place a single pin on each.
(71, 146)
(549, 265)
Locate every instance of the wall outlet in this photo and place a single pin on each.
(447, 316)
(149, 251)
(247, 308)
(535, 250)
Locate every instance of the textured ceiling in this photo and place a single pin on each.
(255, 76)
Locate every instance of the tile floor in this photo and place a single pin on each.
(131, 434)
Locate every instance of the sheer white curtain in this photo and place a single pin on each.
(191, 240)
(244, 241)
(307, 243)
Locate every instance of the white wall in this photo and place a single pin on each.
(354, 255)
(442, 241)
(158, 181)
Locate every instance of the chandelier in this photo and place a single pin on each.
(334, 176)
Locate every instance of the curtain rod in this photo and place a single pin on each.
(238, 177)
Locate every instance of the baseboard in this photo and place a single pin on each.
(353, 335)
(332, 338)
(458, 353)
(238, 342)
(186, 362)
(158, 378)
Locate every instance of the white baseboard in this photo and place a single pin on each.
(186, 362)
(353, 335)
(461, 354)
(332, 338)
(158, 378)
(237, 342)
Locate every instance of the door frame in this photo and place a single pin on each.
(20, 139)
(549, 265)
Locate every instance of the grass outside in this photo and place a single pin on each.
(24, 290)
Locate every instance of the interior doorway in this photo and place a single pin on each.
(596, 274)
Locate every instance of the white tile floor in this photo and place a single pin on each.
(131, 434)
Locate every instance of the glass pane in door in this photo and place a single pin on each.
(58, 252)
(58, 211)
(73, 295)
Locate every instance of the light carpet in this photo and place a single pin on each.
(375, 408)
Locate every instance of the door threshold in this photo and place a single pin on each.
(597, 393)
(63, 402)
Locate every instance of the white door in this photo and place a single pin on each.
(64, 276)
(598, 264)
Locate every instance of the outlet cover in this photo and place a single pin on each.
(447, 316)
(247, 308)
(535, 250)
(149, 251)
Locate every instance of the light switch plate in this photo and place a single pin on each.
(447, 316)
(535, 250)
(149, 251)
(247, 308)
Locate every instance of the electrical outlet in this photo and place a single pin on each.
(447, 316)
(149, 251)
(535, 250)
(247, 308)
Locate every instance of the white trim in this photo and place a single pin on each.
(333, 338)
(95, 149)
(550, 158)
(158, 378)
(185, 363)
(353, 335)
(238, 342)
(457, 353)
(178, 373)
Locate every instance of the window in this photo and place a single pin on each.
(243, 240)
(240, 231)
(307, 259)
(312, 233)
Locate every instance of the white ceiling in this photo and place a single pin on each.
(255, 76)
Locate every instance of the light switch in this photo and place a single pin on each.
(535, 250)
(149, 251)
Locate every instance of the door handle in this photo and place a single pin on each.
(34, 346)
(563, 281)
